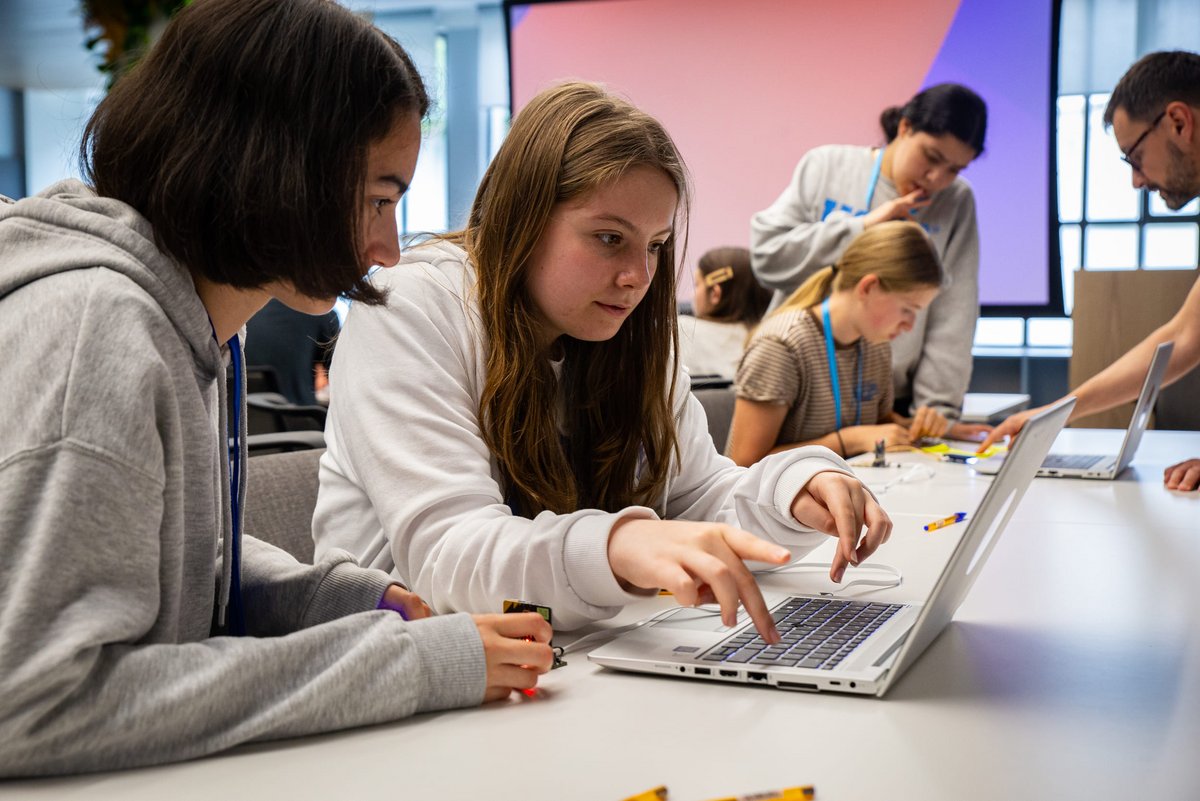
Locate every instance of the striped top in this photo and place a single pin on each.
(785, 363)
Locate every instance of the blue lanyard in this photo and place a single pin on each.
(833, 371)
(237, 622)
(874, 179)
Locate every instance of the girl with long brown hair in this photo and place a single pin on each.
(514, 424)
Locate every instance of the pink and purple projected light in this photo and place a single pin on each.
(747, 88)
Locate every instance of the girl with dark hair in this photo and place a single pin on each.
(137, 624)
(727, 304)
(838, 191)
(514, 423)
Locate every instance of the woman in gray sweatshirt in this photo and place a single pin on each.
(839, 190)
(258, 151)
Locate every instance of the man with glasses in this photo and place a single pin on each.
(1154, 113)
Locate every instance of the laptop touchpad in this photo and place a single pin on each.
(687, 617)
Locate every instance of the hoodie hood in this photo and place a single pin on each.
(68, 227)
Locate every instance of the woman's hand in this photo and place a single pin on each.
(901, 208)
(408, 604)
(968, 432)
(839, 505)
(698, 562)
(927, 422)
(516, 647)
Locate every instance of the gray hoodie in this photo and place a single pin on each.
(115, 525)
(820, 212)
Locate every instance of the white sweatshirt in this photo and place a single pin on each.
(408, 485)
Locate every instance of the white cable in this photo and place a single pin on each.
(608, 634)
(915, 472)
(895, 580)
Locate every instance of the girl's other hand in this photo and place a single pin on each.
(839, 505)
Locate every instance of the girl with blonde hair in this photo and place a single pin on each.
(514, 425)
(818, 370)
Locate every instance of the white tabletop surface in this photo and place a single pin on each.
(1071, 671)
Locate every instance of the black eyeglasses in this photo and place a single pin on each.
(1127, 156)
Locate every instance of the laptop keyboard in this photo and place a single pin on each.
(816, 633)
(1071, 462)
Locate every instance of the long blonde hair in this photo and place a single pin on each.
(568, 141)
(898, 252)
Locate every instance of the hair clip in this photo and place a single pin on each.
(718, 276)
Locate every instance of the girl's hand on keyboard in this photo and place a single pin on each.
(698, 562)
(839, 505)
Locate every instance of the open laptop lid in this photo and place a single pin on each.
(1145, 404)
(983, 531)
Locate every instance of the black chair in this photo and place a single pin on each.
(261, 378)
(284, 442)
(271, 413)
(711, 382)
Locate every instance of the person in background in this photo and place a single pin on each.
(1154, 112)
(818, 370)
(298, 348)
(551, 452)
(839, 191)
(137, 624)
(727, 304)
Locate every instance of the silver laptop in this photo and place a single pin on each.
(836, 644)
(1105, 466)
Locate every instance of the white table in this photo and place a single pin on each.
(1072, 671)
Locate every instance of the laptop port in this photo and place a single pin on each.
(798, 685)
(702, 672)
(729, 674)
(756, 676)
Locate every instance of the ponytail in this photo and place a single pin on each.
(819, 286)
(897, 252)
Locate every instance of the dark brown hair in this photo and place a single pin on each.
(1154, 81)
(242, 137)
(743, 299)
(567, 142)
(945, 108)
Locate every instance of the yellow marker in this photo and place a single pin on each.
(805, 793)
(654, 794)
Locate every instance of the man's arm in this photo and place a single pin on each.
(1122, 380)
